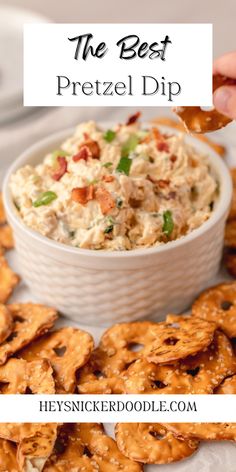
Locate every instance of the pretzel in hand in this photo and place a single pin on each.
(197, 120)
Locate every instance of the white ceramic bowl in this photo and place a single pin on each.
(99, 287)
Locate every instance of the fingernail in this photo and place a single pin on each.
(221, 99)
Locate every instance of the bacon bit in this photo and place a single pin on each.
(160, 140)
(172, 195)
(154, 134)
(93, 148)
(133, 118)
(86, 136)
(173, 158)
(151, 179)
(157, 134)
(193, 163)
(82, 154)
(108, 178)
(83, 195)
(134, 203)
(162, 183)
(146, 139)
(163, 146)
(105, 200)
(62, 168)
(90, 192)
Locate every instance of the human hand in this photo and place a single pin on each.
(224, 98)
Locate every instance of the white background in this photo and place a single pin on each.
(48, 53)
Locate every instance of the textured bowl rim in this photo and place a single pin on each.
(216, 162)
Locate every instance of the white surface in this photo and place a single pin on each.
(11, 51)
(107, 287)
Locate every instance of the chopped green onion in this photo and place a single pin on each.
(44, 199)
(109, 135)
(119, 202)
(108, 229)
(124, 165)
(107, 164)
(168, 224)
(110, 225)
(129, 145)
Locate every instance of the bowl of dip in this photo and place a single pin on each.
(118, 222)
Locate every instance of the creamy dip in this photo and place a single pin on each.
(116, 189)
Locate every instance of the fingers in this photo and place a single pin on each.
(226, 65)
(224, 100)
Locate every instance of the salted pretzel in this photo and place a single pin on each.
(30, 321)
(8, 462)
(34, 451)
(162, 342)
(197, 120)
(228, 387)
(197, 374)
(152, 443)
(177, 338)
(204, 431)
(6, 323)
(15, 432)
(86, 447)
(18, 377)
(6, 237)
(35, 443)
(218, 304)
(93, 378)
(124, 343)
(67, 349)
(8, 279)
